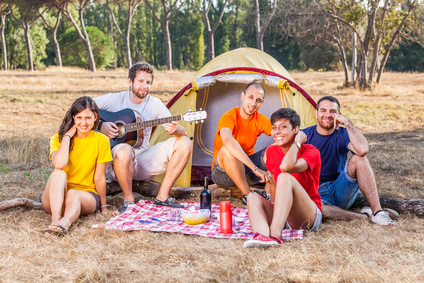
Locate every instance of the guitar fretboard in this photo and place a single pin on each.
(152, 123)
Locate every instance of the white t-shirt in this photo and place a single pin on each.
(151, 108)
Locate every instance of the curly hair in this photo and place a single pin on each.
(78, 106)
(286, 113)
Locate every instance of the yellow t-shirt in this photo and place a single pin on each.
(86, 153)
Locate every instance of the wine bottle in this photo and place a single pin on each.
(205, 196)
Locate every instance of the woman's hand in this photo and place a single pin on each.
(71, 132)
(106, 212)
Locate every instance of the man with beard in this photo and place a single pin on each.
(235, 163)
(340, 178)
(145, 162)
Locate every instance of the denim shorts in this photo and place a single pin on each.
(97, 197)
(317, 222)
(222, 179)
(342, 192)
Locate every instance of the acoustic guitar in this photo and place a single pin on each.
(130, 125)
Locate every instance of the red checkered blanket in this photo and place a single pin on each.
(157, 218)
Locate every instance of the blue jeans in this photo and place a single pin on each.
(342, 192)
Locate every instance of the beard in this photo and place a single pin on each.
(139, 93)
(326, 125)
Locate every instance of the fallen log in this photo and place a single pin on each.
(147, 189)
(402, 206)
(151, 189)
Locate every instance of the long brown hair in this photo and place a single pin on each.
(78, 106)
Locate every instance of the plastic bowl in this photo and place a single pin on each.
(197, 217)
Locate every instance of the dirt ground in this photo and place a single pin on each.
(32, 106)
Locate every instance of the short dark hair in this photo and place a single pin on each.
(140, 66)
(286, 113)
(329, 98)
(255, 84)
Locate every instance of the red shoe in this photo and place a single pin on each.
(279, 241)
(260, 241)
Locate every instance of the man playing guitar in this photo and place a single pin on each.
(144, 162)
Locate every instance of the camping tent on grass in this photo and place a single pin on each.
(216, 88)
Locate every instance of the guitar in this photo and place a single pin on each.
(130, 125)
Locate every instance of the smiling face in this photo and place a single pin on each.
(140, 86)
(325, 114)
(283, 132)
(84, 122)
(252, 100)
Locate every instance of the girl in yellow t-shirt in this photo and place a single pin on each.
(77, 186)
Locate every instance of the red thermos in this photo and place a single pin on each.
(225, 217)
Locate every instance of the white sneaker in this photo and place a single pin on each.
(367, 211)
(382, 217)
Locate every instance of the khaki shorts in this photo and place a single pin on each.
(148, 162)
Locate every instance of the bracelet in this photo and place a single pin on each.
(256, 168)
(106, 205)
(68, 136)
(174, 132)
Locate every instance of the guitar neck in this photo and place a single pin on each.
(151, 123)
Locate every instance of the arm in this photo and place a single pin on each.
(290, 163)
(61, 156)
(358, 143)
(232, 146)
(100, 183)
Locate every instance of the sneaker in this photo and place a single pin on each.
(170, 202)
(279, 241)
(244, 200)
(260, 241)
(263, 194)
(367, 211)
(382, 217)
(124, 206)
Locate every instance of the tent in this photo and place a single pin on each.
(216, 88)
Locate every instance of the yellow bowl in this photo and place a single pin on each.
(197, 217)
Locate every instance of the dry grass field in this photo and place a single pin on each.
(31, 108)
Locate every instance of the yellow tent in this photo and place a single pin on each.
(216, 88)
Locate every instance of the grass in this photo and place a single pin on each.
(32, 105)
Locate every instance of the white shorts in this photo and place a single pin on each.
(148, 162)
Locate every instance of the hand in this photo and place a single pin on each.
(71, 132)
(106, 212)
(265, 176)
(109, 129)
(172, 127)
(339, 119)
(301, 137)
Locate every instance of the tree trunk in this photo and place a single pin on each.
(402, 206)
(342, 54)
(167, 38)
(57, 49)
(151, 189)
(3, 41)
(28, 45)
(86, 42)
(211, 46)
(259, 43)
(128, 48)
(353, 56)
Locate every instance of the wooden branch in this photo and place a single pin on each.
(16, 202)
(402, 206)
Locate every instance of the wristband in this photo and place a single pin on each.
(256, 168)
(106, 205)
(174, 132)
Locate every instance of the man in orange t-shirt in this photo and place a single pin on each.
(235, 163)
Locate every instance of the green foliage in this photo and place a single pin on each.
(45, 174)
(320, 57)
(4, 168)
(29, 175)
(17, 50)
(408, 57)
(74, 52)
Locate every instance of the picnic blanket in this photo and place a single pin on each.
(157, 218)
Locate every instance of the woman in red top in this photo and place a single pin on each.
(294, 192)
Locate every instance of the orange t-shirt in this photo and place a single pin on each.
(245, 132)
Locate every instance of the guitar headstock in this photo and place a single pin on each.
(191, 116)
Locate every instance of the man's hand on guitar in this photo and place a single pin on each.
(109, 129)
(172, 127)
